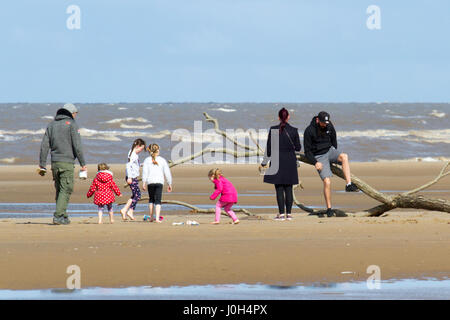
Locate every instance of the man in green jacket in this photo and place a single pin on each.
(62, 139)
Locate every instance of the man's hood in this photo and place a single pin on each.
(62, 117)
(63, 114)
(104, 176)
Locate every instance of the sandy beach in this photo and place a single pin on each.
(405, 244)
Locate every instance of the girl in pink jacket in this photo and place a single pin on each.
(229, 195)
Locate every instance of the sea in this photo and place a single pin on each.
(366, 131)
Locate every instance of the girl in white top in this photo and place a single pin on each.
(154, 171)
(132, 174)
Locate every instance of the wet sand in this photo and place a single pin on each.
(405, 244)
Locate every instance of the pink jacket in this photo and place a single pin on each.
(225, 187)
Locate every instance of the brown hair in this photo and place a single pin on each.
(136, 143)
(102, 166)
(283, 114)
(153, 150)
(216, 173)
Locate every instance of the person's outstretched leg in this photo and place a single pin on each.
(125, 209)
(327, 195)
(135, 197)
(111, 212)
(63, 176)
(280, 198)
(158, 197)
(350, 186)
(219, 205)
(289, 198)
(150, 211)
(343, 158)
(100, 214)
(230, 212)
(157, 212)
(327, 191)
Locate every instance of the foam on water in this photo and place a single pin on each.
(392, 289)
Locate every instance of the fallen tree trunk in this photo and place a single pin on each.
(196, 209)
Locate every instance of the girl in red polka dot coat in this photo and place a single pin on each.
(104, 188)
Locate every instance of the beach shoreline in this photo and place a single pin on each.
(34, 254)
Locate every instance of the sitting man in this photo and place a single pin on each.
(321, 149)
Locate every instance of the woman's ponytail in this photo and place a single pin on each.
(283, 114)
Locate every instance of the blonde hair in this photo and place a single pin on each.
(153, 149)
(102, 166)
(216, 173)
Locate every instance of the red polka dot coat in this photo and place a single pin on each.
(104, 188)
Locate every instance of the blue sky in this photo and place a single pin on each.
(225, 51)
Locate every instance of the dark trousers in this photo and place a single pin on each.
(155, 193)
(284, 197)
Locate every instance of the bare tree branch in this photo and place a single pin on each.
(441, 175)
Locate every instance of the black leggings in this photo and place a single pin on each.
(284, 197)
(155, 193)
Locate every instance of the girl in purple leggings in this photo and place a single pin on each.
(131, 176)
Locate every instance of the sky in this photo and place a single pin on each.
(224, 51)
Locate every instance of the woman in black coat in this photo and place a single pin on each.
(286, 175)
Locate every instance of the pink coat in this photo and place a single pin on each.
(225, 187)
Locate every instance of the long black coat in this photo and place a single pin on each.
(287, 171)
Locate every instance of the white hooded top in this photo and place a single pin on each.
(152, 173)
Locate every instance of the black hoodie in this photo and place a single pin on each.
(317, 141)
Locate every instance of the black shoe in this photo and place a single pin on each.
(66, 220)
(330, 213)
(351, 188)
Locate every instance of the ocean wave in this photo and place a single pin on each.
(430, 136)
(9, 160)
(22, 132)
(115, 135)
(211, 137)
(129, 119)
(128, 123)
(394, 116)
(7, 138)
(224, 109)
(126, 126)
(437, 114)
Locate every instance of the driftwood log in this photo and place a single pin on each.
(409, 199)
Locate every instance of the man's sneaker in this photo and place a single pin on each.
(58, 221)
(289, 217)
(66, 220)
(279, 218)
(351, 188)
(330, 213)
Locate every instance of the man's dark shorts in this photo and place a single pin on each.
(331, 156)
